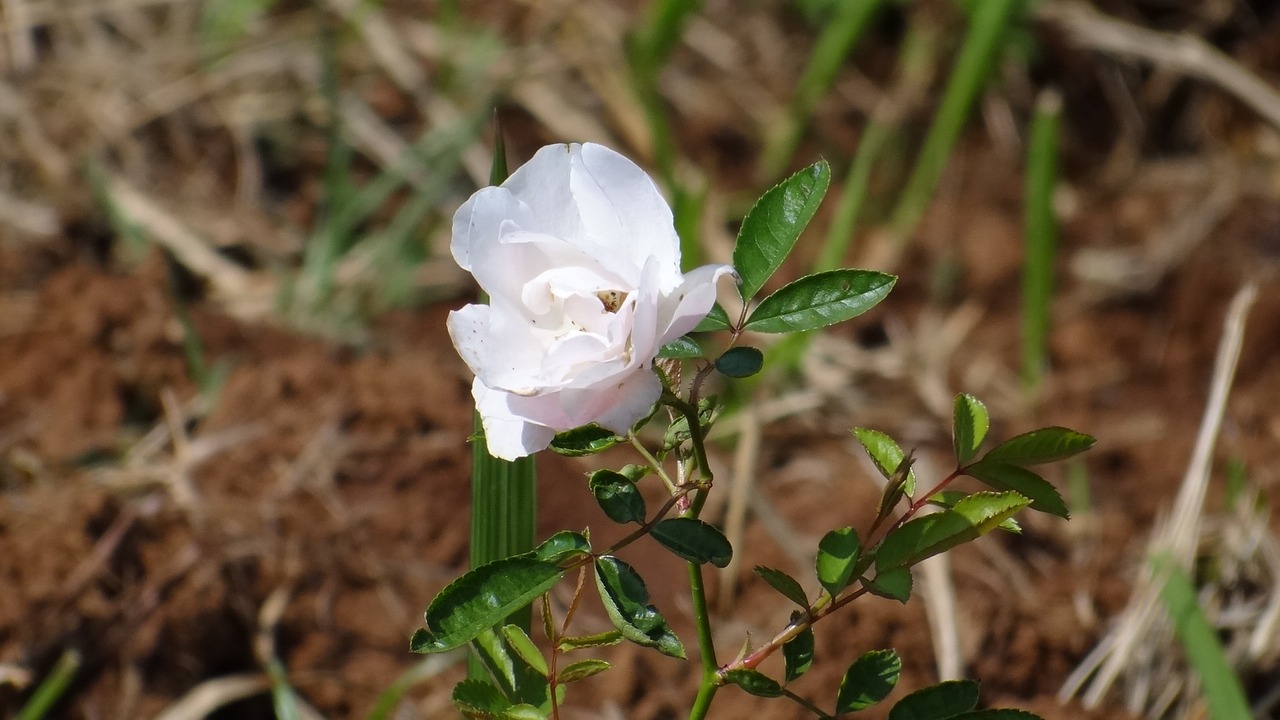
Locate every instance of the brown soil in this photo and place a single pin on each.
(314, 509)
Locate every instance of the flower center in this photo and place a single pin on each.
(612, 299)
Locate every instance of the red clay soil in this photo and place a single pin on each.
(333, 480)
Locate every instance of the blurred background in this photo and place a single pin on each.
(233, 433)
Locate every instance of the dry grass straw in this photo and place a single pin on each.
(1139, 648)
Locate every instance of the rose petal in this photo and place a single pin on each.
(509, 436)
(622, 210)
(617, 405)
(682, 310)
(478, 221)
(542, 184)
(497, 359)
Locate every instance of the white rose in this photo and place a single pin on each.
(580, 259)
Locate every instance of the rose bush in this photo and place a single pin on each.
(580, 258)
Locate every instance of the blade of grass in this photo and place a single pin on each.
(1042, 238)
(503, 494)
(974, 67)
(283, 696)
(649, 49)
(50, 690)
(1219, 684)
(330, 242)
(647, 52)
(840, 35)
(430, 667)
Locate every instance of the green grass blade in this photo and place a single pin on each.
(329, 243)
(839, 37)
(430, 667)
(1042, 238)
(853, 197)
(649, 49)
(1219, 684)
(504, 504)
(50, 690)
(983, 41)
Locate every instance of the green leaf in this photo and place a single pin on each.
(582, 669)
(754, 682)
(578, 642)
(626, 601)
(838, 553)
(894, 584)
(931, 534)
(586, 440)
(785, 584)
(771, 228)
(478, 699)
(681, 347)
(816, 301)
(969, 427)
(1040, 446)
(522, 711)
(694, 540)
(999, 715)
(519, 681)
(868, 680)
(678, 431)
(715, 320)
(618, 496)
(740, 362)
(886, 455)
(1044, 496)
(481, 599)
(563, 546)
(523, 646)
(948, 499)
(797, 654)
(937, 702)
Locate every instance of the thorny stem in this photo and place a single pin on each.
(816, 613)
(697, 588)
